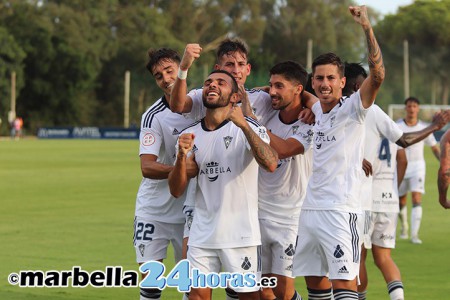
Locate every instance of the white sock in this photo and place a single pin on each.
(403, 215)
(185, 296)
(416, 218)
(395, 289)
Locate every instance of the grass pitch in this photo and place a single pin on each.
(68, 203)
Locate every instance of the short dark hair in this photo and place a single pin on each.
(352, 72)
(231, 45)
(327, 59)
(156, 56)
(234, 87)
(412, 99)
(292, 71)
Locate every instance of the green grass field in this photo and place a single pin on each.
(68, 203)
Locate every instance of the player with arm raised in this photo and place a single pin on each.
(331, 251)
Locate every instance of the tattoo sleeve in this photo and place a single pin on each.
(375, 58)
(265, 155)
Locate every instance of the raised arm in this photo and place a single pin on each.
(444, 170)
(370, 86)
(178, 177)
(439, 120)
(264, 154)
(180, 102)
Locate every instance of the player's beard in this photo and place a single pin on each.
(221, 102)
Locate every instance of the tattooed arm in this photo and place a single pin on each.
(444, 170)
(264, 154)
(370, 86)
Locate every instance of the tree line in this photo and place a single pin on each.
(70, 56)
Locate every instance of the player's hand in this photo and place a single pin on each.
(445, 203)
(440, 119)
(307, 116)
(191, 166)
(359, 14)
(367, 167)
(185, 143)
(191, 53)
(236, 116)
(245, 102)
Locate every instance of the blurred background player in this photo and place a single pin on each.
(414, 180)
(159, 219)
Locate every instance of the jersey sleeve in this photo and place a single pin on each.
(198, 110)
(150, 139)
(386, 126)
(260, 130)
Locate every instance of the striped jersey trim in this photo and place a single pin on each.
(157, 108)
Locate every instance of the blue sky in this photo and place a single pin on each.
(385, 6)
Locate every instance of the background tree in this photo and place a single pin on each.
(426, 26)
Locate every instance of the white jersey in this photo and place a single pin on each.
(281, 193)
(160, 128)
(335, 183)
(258, 100)
(414, 153)
(226, 201)
(385, 187)
(378, 125)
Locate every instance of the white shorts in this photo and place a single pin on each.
(278, 247)
(415, 183)
(366, 235)
(383, 229)
(328, 244)
(233, 260)
(151, 239)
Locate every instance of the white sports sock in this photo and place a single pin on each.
(416, 218)
(185, 296)
(403, 215)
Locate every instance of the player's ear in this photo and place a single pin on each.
(234, 98)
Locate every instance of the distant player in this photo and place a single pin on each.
(414, 180)
(228, 149)
(159, 219)
(444, 170)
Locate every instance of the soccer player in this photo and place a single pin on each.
(380, 192)
(330, 251)
(281, 193)
(444, 170)
(414, 180)
(228, 148)
(159, 219)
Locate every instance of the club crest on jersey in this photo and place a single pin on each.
(332, 119)
(227, 141)
(294, 129)
(148, 139)
(213, 170)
